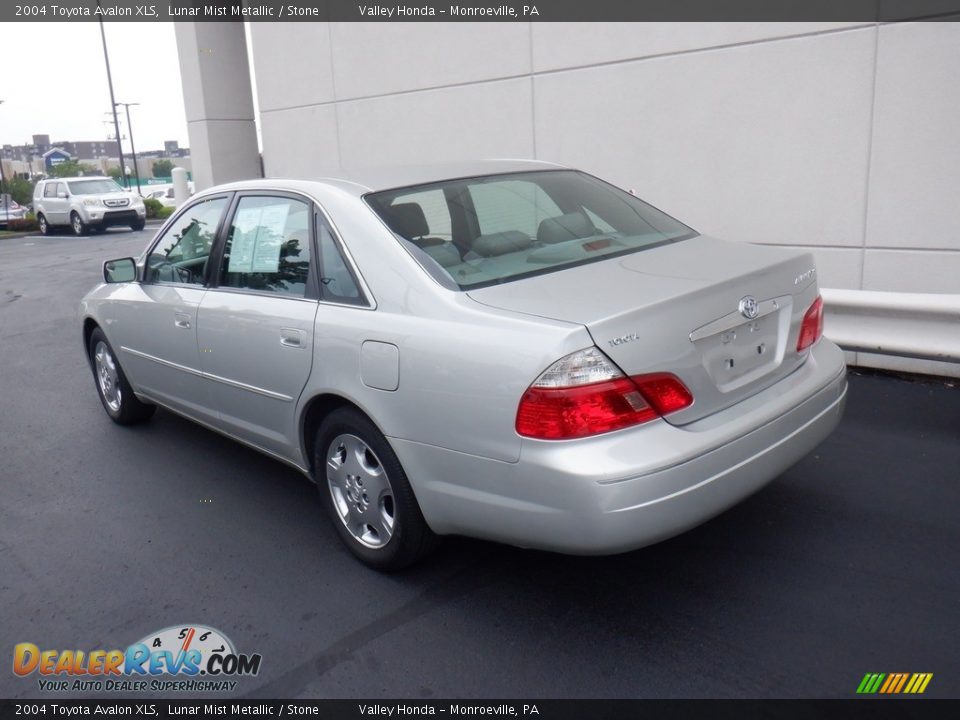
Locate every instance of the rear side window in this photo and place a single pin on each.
(268, 246)
(337, 283)
(50, 190)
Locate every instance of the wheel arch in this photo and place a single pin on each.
(89, 325)
(314, 411)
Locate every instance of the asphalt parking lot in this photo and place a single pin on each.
(847, 564)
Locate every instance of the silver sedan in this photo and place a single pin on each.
(509, 350)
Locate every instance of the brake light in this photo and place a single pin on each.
(812, 326)
(585, 394)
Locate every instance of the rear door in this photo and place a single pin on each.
(55, 206)
(256, 321)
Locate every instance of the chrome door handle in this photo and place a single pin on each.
(291, 337)
(181, 320)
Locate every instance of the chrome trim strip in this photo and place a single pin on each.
(250, 388)
(209, 376)
(160, 361)
(736, 319)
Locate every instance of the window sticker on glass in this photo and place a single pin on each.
(258, 238)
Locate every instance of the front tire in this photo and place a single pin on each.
(138, 225)
(77, 224)
(367, 494)
(114, 390)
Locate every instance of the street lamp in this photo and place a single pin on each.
(133, 148)
(113, 102)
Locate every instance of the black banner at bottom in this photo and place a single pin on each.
(872, 708)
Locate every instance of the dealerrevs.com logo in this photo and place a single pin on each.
(180, 658)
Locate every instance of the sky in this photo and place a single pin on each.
(60, 85)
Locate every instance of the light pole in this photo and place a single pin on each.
(133, 148)
(3, 184)
(113, 102)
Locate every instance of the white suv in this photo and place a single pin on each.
(86, 203)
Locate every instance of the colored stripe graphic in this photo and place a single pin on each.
(894, 683)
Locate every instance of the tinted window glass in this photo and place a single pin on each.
(93, 187)
(516, 225)
(337, 282)
(511, 205)
(268, 246)
(182, 253)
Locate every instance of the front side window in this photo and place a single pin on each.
(181, 254)
(268, 246)
(514, 225)
(94, 186)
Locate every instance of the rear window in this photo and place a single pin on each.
(487, 230)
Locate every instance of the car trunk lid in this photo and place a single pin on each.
(723, 316)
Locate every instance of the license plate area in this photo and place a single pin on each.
(736, 351)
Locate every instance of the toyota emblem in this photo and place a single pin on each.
(749, 307)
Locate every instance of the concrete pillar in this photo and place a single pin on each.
(180, 190)
(218, 101)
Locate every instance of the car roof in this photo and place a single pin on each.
(373, 179)
(79, 177)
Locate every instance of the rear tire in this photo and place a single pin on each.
(115, 393)
(44, 225)
(366, 493)
(77, 224)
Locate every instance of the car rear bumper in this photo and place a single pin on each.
(623, 490)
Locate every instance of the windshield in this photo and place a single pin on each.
(96, 186)
(497, 228)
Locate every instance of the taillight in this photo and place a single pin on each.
(812, 326)
(585, 394)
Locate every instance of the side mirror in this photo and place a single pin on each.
(120, 271)
(62, 195)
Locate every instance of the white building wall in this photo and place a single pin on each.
(838, 137)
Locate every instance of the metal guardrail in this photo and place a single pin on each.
(914, 325)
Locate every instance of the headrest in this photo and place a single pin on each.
(408, 220)
(565, 227)
(445, 254)
(501, 243)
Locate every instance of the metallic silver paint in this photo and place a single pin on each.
(463, 360)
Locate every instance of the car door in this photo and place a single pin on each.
(255, 323)
(159, 335)
(54, 205)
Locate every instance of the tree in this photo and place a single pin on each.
(71, 168)
(163, 168)
(20, 190)
(115, 173)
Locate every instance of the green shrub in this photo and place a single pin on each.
(154, 207)
(26, 224)
(164, 212)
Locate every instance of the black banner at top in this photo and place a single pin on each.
(492, 11)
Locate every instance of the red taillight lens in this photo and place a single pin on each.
(664, 392)
(812, 327)
(562, 405)
(553, 413)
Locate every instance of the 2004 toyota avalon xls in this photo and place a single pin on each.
(507, 350)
